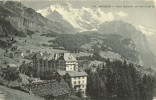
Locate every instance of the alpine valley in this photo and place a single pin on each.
(64, 52)
(62, 27)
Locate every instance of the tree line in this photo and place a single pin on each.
(119, 81)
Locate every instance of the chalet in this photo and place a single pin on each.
(77, 80)
(18, 54)
(50, 90)
(67, 62)
(12, 66)
(28, 51)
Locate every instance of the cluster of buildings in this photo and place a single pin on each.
(63, 65)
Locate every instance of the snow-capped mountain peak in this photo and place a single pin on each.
(84, 18)
(146, 30)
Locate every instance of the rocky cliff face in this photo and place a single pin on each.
(23, 18)
(152, 40)
(146, 56)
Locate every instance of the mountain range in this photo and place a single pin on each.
(90, 19)
(76, 27)
(81, 18)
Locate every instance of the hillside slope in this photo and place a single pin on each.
(10, 94)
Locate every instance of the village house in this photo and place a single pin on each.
(64, 66)
(43, 63)
(50, 90)
(28, 51)
(77, 80)
(67, 62)
(18, 54)
(11, 66)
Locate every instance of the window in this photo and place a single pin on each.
(79, 82)
(83, 81)
(82, 86)
(83, 92)
(74, 82)
(61, 61)
(40, 61)
(49, 64)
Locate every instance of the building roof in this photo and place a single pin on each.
(76, 74)
(68, 57)
(12, 65)
(46, 88)
(61, 73)
(44, 56)
(38, 55)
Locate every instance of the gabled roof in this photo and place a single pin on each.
(46, 88)
(77, 74)
(68, 57)
(38, 55)
(12, 65)
(61, 73)
(44, 56)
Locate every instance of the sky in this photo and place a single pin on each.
(144, 16)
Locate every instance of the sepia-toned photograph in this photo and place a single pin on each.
(77, 49)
